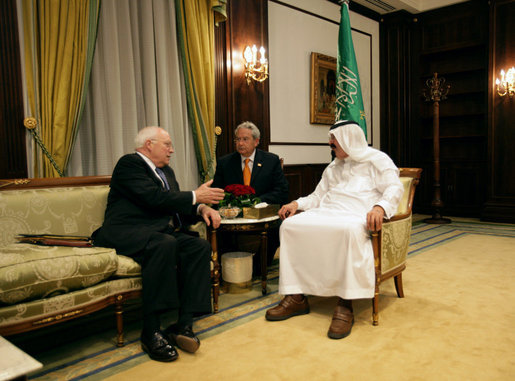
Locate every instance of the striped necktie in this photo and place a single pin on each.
(177, 223)
(161, 174)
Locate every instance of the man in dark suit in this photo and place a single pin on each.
(262, 171)
(143, 220)
(266, 175)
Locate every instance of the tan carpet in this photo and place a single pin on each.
(455, 323)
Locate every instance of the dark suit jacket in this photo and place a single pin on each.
(267, 176)
(138, 206)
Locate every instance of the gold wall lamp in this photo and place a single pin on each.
(506, 85)
(255, 69)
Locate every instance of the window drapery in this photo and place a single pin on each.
(195, 33)
(59, 40)
(136, 81)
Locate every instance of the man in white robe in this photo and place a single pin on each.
(327, 249)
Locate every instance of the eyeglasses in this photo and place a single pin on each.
(166, 144)
(244, 140)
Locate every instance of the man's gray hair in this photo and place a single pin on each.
(146, 133)
(249, 126)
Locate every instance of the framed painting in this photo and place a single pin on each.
(323, 89)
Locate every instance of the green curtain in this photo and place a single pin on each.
(59, 37)
(195, 31)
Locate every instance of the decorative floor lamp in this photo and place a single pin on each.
(437, 92)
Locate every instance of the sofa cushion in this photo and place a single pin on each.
(127, 267)
(65, 211)
(29, 272)
(70, 304)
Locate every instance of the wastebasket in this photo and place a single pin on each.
(237, 272)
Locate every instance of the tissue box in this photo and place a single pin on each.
(258, 213)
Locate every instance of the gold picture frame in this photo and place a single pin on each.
(323, 89)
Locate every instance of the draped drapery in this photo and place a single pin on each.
(195, 33)
(135, 82)
(59, 44)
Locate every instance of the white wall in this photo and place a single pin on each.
(293, 35)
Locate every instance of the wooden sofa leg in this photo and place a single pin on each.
(375, 309)
(119, 321)
(398, 285)
(216, 269)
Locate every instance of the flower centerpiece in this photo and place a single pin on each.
(236, 197)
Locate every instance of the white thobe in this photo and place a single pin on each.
(327, 249)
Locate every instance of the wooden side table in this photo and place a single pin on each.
(14, 363)
(242, 225)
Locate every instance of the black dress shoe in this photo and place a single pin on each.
(158, 348)
(184, 338)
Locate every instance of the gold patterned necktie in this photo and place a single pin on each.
(246, 173)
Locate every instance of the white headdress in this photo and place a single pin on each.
(351, 138)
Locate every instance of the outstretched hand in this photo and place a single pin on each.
(288, 210)
(375, 218)
(207, 195)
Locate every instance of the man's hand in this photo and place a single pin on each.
(210, 215)
(288, 210)
(207, 195)
(375, 218)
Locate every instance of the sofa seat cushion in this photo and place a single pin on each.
(63, 306)
(30, 272)
(127, 267)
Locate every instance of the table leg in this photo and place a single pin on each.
(216, 269)
(264, 268)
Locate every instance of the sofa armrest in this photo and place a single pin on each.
(200, 228)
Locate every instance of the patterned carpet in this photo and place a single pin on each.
(97, 358)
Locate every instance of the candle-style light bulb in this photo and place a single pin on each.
(262, 60)
(247, 54)
(254, 54)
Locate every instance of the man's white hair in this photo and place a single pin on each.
(249, 126)
(146, 133)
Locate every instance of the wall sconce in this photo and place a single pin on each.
(257, 70)
(507, 83)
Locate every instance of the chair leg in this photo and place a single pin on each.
(398, 285)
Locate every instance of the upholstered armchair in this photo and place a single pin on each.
(391, 243)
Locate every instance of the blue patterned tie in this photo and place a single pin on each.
(176, 219)
(161, 174)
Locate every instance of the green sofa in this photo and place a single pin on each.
(45, 285)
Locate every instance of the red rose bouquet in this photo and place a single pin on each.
(238, 195)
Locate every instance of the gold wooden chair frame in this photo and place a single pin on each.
(391, 243)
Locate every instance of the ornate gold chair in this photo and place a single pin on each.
(391, 243)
